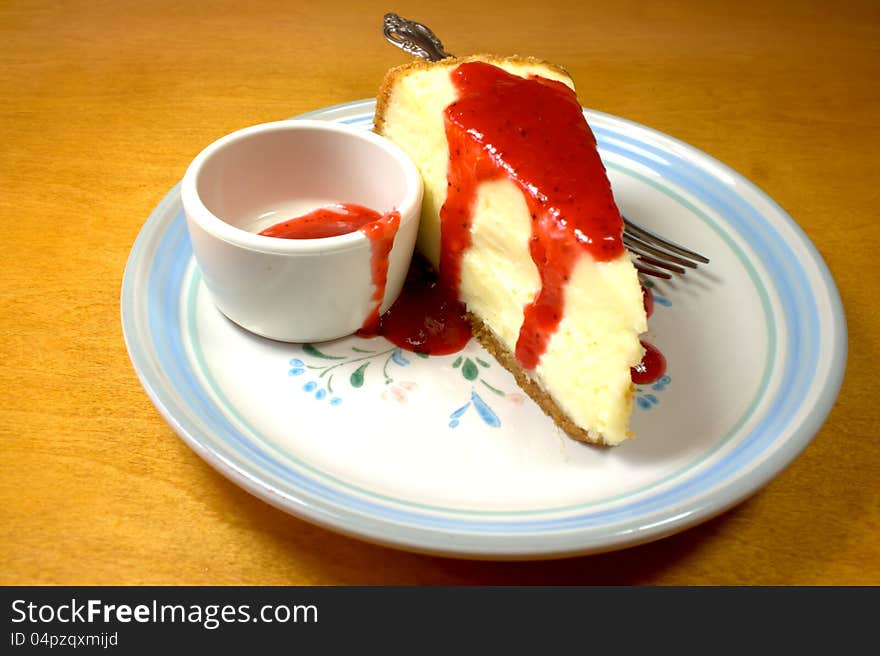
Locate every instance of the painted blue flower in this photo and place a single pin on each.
(320, 393)
(483, 410)
(646, 401)
(397, 357)
(457, 414)
(661, 383)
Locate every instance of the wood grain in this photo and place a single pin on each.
(106, 102)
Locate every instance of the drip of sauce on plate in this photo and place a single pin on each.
(653, 364)
(342, 219)
(427, 317)
(651, 368)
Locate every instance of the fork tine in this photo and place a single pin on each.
(650, 271)
(654, 262)
(645, 250)
(647, 236)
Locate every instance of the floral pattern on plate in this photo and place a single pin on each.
(323, 369)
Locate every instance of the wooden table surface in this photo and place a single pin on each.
(105, 103)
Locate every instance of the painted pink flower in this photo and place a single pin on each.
(399, 391)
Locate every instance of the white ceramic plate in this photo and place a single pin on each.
(445, 454)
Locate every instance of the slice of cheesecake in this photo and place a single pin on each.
(519, 219)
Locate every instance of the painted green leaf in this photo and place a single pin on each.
(469, 369)
(482, 363)
(315, 353)
(494, 389)
(457, 363)
(421, 355)
(357, 376)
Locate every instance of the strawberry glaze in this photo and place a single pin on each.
(532, 131)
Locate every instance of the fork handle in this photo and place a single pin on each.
(413, 38)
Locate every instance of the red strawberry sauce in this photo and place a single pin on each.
(341, 219)
(531, 130)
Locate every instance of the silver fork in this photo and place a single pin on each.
(655, 256)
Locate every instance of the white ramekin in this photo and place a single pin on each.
(297, 290)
